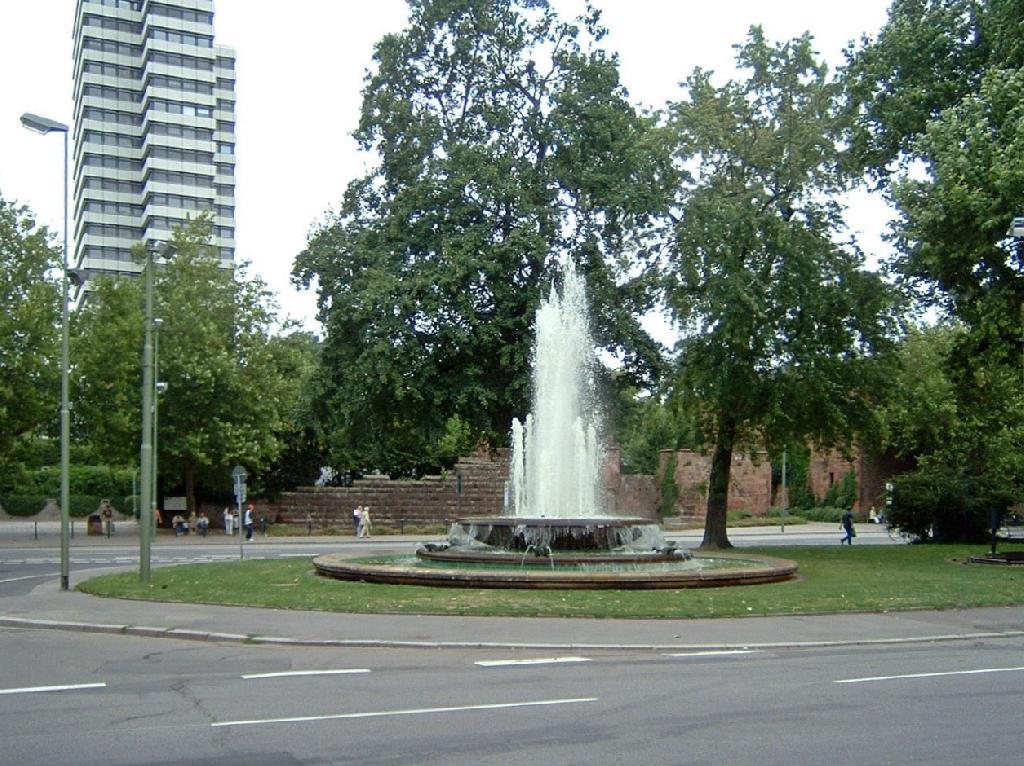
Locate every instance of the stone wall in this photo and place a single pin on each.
(435, 499)
(871, 471)
(750, 482)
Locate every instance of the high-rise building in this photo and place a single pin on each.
(154, 128)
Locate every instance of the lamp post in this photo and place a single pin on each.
(158, 388)
(42, 125)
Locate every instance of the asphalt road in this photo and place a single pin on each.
(129, 700)
(887, 696)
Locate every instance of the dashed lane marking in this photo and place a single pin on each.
(286, 673)
(63, 688)
(410, 711)
(537, 661)
(979, 671)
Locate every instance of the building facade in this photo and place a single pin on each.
(154, 129)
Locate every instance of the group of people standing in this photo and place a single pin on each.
(361, 520)
(231, 521)
(197, 525)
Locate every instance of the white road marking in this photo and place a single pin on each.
(713, 653)
(26, 577)
(411, 711)
(928, 675)
(539, 661)
(282, 674)
(65, 688)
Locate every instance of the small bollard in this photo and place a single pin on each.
(35, 530)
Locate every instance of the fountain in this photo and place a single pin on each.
(555, 531)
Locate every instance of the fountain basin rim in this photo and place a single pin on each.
(473, 556)
(555, 521)
(771, 570)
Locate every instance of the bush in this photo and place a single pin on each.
(669, 491)
(92, 480)
(842, 494)
(30, 505)
(822, 513)
(23, 505)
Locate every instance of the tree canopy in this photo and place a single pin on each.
(29, 326)
(783, 327)
(505, 141)
(231, 380)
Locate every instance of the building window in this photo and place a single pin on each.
(223, 147)
(180, 38)
(178, 59)
(179, 83)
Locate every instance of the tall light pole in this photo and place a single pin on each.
(42, 125)
(147, 460)
(158, 388)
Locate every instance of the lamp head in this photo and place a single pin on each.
(42, 125)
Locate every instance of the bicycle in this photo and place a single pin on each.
(898, 535)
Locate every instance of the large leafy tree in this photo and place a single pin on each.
(504, 141)
(782, 324)
(937, 99)
(231, 380)
(29, 326)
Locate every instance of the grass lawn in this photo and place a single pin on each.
(831, 579)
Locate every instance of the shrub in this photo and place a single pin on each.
(842, 494)
(822, 513)
(669, 491)
(23, 505)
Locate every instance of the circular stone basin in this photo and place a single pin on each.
(700, 572)
(553, 537)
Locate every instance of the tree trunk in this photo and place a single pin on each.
(190, 486)
(715, 533)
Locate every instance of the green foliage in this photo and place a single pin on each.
(504, 142)
(231, 381)
(645, 425)
(29, 328)
(843, 493)
(938, 100)
(22, 505)
(28, 505)
(821, 513)
(784, 331)
(668, 490)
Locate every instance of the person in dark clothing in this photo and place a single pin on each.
(846, 525)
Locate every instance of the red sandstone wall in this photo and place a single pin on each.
(434, 499)
(750, 482)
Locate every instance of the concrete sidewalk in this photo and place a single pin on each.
(46, 606)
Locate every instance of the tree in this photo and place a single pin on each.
(783, 327)
(505, 142)
(938, 105)
(230, 381)
(29, 327)
(965, 441)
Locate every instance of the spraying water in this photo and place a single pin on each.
(556, 454)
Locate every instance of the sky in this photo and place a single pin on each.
(300, 74)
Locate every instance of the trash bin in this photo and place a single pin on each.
(95, 525)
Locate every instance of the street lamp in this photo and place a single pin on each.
(43, 126)
(158, 388)
(148, 459)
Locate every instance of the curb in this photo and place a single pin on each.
(198, 635)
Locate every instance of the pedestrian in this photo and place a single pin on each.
(192, 523)
(202, 524)
(158, 520)
(248, 523)
(178, 522)
(107, 512)
(229, 522)
(357, 517)
(365, 522)
(846, 526)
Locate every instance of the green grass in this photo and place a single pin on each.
(831, 579)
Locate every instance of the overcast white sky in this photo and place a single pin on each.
(300, 70)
